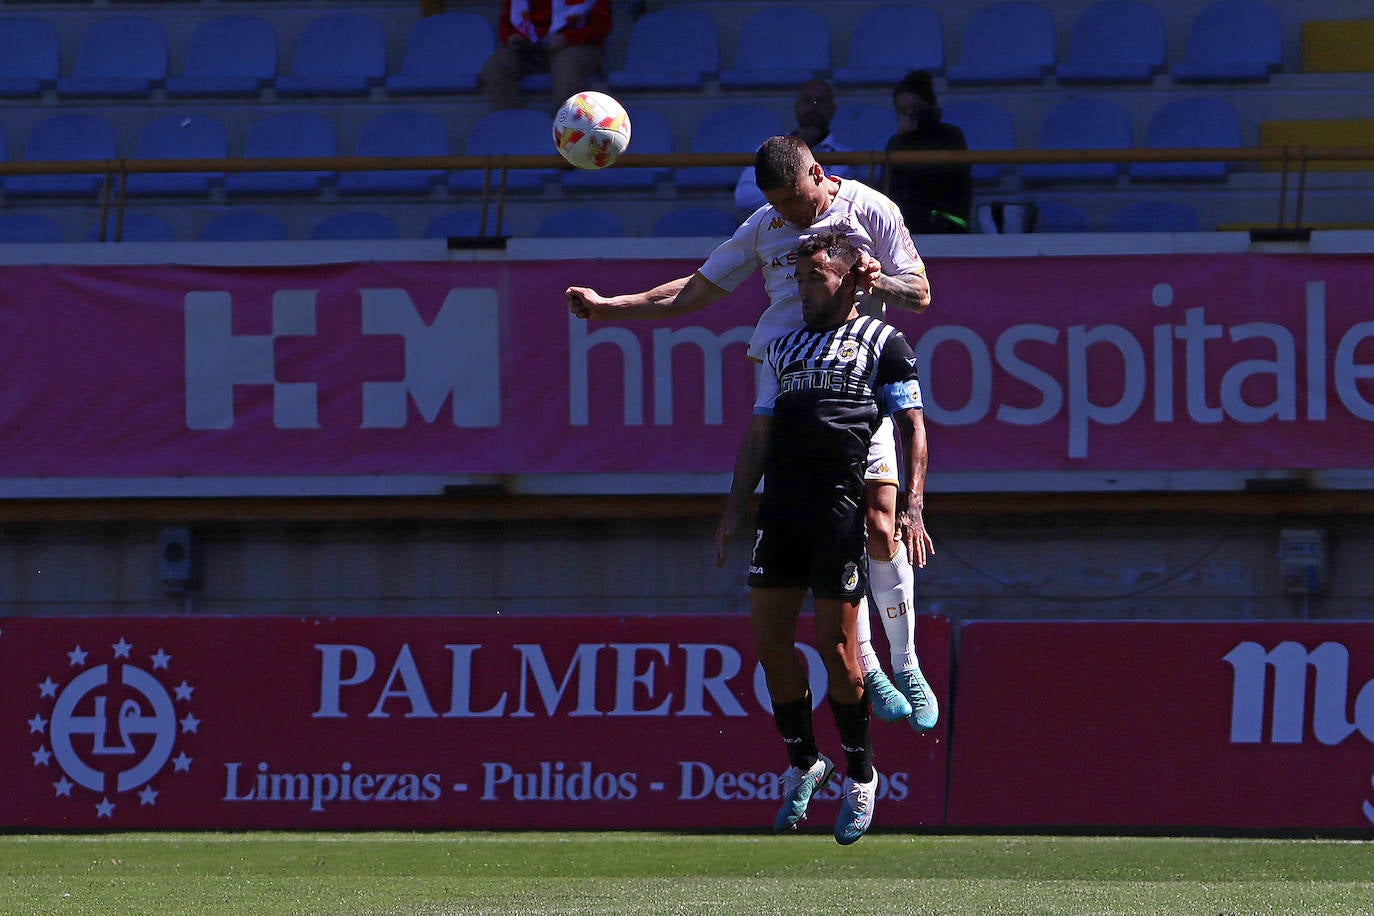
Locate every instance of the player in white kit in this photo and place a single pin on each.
(802, 201)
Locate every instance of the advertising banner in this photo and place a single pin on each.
(1110, 363)
(1264, 726)
(418, 722)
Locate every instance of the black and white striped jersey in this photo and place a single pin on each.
(827, 391)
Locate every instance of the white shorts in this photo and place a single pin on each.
(882, 455)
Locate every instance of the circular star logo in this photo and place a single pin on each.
(112, 727)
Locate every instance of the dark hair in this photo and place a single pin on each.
(780, 162)
(917, 83)
(836, 246)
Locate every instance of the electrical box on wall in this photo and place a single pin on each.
(1302, 560)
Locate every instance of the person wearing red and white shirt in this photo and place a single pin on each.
(564, 38)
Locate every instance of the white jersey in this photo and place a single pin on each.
(766, 240)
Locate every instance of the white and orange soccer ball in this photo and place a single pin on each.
(591, 130)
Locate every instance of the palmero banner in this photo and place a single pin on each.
(1109, 363)
(418, 722)
(1265, 726)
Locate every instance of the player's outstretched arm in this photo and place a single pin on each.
(668, 300)
(748, 472)
(913, 455)
(905, 291)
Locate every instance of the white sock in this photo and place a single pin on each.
(893, 584)
(868, 659)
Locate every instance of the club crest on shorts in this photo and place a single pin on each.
(850, 580)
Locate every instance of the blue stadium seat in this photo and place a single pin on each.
(1085, 123)
(650, 132)
(1154, 216)
(1011, 41)
(693, 222)
(737, 128)
(336, 54)
(228, 56)
(444, 53)
(464, 224)
(29, 56)
(18, 228)
(243, 226)
(518, 132)
(987, 126)
(356, 224)
(890, 40)
(72, 137)
(863, 125)
(1115, 41)
(1191, 122)
(179, 136)
(119, 57)
(1232, 41)
(581, 223)
(1060, 216)
(134, 227)
(286, 135)
(398, 133)
(671, 48)
(792, 46)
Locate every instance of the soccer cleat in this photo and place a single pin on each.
(888, 702)
(925, 709)
(798, 786)
(856, 810)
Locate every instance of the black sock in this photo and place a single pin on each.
(794, 724)
(852, 721)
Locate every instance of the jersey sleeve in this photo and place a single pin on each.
(766, 386)
(899, 386)
(736, 258)
(892, 243)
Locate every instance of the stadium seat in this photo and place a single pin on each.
(671, 48)
(1154, 216)
(515, 133)
(444, 53)
(1232, 41)
(793, 46)
(692, 222)
(18, 228)
(581, 222)
(243, 226)
(119, 57)
(650, 132)
(1011, 41)
(737, 128)
(464, 224)
(286, 135)
(1085, 123)
(1059, 216)
(987, 126)
(179, 136)
(29, 56)
(71, 137)
(1115, 41)
(336, 54)
(134, 227)
(863, 125)
(1191, 122)
(356, 224)
(398, 133)
(228, 56)
(890, 40)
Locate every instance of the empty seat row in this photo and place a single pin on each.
(344, 53)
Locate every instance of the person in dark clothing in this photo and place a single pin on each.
(935, 198)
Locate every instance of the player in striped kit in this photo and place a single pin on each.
(822, 394)
(804, 200)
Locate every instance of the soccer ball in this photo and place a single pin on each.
(591, 130)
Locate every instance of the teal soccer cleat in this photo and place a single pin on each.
(925, 709)
(856, 810)
(888, 702)
(798, 786)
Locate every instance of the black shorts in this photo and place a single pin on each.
(824, 554)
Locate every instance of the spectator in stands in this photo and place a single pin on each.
(934, 198)
(815, 109)
(564, 38)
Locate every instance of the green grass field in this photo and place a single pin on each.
(608, 873)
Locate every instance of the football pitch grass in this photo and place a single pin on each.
(687, 873)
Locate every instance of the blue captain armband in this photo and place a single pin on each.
(896, 396)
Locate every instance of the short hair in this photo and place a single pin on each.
(836, 245)
(917, 83)
(780, 162)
